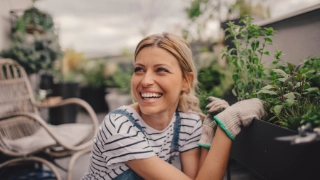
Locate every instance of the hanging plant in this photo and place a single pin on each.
(34, 52)
(34, 43)
(34, 21)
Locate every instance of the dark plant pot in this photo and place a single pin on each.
(256, 149)
(46, 81)
(95, 97)
(67, 113)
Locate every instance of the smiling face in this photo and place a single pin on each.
(157, 81)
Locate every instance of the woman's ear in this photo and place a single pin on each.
(187, 82)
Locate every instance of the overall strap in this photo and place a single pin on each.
(128, 174)
(129, 116)
(176, 130)
(175, 138)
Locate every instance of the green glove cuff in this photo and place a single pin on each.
(204, 145)
(223, 127)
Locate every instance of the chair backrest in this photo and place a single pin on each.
(15, 90)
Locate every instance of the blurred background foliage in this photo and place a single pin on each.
(34, 20)
(215, 77)
(67, 69)
(70, 65)
(96, 73)
(35, 44)
(34, 52)
(214, 80)
(202, 13)
(121, 78)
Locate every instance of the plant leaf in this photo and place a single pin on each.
(298, 84)
(235, 77)
(282, 79)
(268, 87)
(280, 72)
(290, 102)
(255, 45)
(289, 95)
(234, 92)
(308, 72)
(277, 109)
(265, 91)
(268, 39)
(313, 89)
(290, 66)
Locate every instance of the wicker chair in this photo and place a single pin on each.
(22, 125)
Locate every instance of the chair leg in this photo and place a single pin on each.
(32, 158)
(73, 160)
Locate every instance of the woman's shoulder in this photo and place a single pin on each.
(120, 118)
(190, 115)
(190, 127)
(125, 109)
(190, 119)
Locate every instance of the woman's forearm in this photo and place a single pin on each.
(203, 154)
(216, 161)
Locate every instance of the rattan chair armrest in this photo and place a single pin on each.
(76, 101)
(46, 127)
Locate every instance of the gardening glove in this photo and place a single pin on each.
(239, 114)
(209, 126)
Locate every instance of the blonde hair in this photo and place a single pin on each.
(180, 49)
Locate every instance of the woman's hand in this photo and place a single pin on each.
(239, 114)
(216, 105)
(209, 126)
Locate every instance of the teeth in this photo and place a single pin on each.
(150, 95)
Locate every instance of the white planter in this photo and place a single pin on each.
(116, 98)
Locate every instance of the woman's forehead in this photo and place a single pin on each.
(155, 55)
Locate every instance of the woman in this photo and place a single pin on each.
(140, 141)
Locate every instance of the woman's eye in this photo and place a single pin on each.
(138, 69)
(162, 70)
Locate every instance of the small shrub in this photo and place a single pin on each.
(289, 91)
(214, 80)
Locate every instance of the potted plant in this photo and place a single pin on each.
(34, 43)
(66, 84)
(36, 47)
(118, 86)
(34, 21)
(291, 100)
(34, 52)
(93, 89)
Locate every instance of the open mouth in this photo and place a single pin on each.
(150, 95)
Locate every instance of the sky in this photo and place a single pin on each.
(107, 27)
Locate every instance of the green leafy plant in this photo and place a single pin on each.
(214, 80)
(33, 20)
(289, 94)
(246, 57)
(287, 90)
(93, 72)
(121, 78)
(34, 52)
(70, 68)
(313, 63)
(34, 43)
(312, 116)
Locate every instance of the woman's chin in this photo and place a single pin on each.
(149, 109)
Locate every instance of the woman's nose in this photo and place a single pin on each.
(148, 79)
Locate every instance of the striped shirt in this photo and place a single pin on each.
(119, 141)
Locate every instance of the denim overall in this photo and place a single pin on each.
(130, 174)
